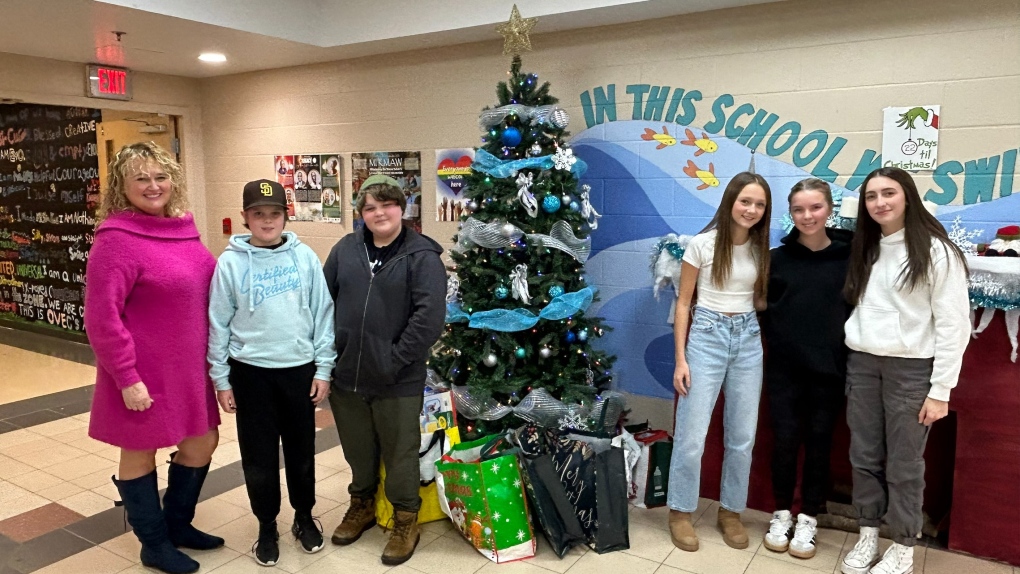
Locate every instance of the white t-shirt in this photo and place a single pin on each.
(736, 295)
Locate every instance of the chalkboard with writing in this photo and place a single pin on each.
(49, 188)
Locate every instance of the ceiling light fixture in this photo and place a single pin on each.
(213, 57)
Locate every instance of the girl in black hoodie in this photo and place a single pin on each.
(806, 367)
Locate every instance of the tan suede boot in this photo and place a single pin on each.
(404, 539)
(359, 518)
(681, 530)
(733, 532)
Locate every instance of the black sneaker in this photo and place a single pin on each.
(307, 532)
(267, 547)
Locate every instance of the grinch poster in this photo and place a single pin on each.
(452, 168)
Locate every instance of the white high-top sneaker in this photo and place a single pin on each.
(898, 559)
(777, 539)
(803, 543)
(864, 554)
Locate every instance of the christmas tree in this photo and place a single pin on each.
(517, 293)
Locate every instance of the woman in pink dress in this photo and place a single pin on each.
(146, 316)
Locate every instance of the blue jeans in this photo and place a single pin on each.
(723, 353)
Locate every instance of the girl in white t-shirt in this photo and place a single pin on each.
(727, 264)
(906, 337)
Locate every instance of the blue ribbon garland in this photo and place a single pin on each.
(489, 164)
(511, 320)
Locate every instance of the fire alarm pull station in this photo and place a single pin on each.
(226, 226)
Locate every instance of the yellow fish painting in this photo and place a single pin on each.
(664, 138)
(704, 144)
(707, 177)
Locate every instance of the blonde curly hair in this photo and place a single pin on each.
(122, 166)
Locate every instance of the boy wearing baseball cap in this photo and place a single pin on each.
(271, 354)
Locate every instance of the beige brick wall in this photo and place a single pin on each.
(829, 65)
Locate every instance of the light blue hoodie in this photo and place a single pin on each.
(269, 308)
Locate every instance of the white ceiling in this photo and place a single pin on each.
(166, 36)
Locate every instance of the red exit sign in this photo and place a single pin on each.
(108, 83)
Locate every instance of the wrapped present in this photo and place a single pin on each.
(481, 490)
(438, 412)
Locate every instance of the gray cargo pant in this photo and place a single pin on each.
(884, 397)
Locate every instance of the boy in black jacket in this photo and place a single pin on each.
(389, 286)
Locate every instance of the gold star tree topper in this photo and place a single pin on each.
(515, 33)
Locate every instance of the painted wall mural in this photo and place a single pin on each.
(664, 171)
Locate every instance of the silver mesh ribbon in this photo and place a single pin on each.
(473, 408)
(535, 115)
(490, 235)
(562, 237)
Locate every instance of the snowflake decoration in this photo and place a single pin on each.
(494, 468)
(520, 535)
(959, 235)
(496, 515)
(517, 483)
(564, 158)
(573, 421)
(463, 476)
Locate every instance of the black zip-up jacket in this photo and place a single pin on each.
(806, 312)
(386, 323)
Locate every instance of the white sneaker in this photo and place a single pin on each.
(777, 539)
(898, 559)
(864, 554)
(803, 543)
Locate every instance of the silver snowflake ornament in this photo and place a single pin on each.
(564, 158)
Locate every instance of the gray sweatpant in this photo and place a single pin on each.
(884, 397)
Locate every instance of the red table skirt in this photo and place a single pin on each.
(973, 456)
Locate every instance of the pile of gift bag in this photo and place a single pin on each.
(573, 485)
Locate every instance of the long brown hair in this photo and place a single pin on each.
(114, 199)
(919, 226)
(722, 222)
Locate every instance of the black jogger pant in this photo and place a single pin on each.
(389, 429)
(804, 407)
(274, 405)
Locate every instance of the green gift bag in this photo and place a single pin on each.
(481, 490)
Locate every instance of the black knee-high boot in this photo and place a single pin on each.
(184, 484)
(141, 500)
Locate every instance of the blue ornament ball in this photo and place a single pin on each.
(571, 337)
(502, 292)
(574, 206)
(582, 335)
(551, 204)
(555, 291)
(511, 137)
(519, 352)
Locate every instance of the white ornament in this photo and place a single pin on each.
(560, 118)
(452, 288)
(507, 230)
(519, 279)
(564, 158)
(545, 352)
(536, 149)
(524, 183)
(587, 211)
(490, 360)
(959, 235)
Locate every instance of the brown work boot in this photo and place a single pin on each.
(681, 530)
(359, 518)
(733, 532)
(404, 539)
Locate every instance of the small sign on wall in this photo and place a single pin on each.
(108, 83)
(910, 137)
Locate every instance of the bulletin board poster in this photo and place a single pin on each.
(313, 186)
(452, 168)
(910, 137)
(403, 166)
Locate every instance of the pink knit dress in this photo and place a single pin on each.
(146, 316)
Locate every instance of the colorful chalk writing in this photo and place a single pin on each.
(49, 187)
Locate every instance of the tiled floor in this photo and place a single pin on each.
(57, 516)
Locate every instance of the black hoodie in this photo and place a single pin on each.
(803, 323)
(387, 322)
